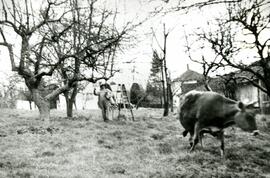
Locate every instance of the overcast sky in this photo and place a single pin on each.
(178, 23)
(141, 53)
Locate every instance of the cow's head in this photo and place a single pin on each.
(245, 118)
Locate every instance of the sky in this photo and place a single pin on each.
(178, 23)
(140, 52)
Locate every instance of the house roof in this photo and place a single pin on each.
(188, 87)
(216, 84)
(189, 75)
(240, 75)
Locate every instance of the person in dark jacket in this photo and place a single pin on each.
(105, 100)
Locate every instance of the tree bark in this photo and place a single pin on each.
(30, 104)
(266, 83)
(165, 106)
(43, 105)
(171, 96)
(166, 102)
(70, 101)
(161, 103)
(70, 108)
(206, 83)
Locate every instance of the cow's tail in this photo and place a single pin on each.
(185, 133)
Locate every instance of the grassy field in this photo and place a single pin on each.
(152, 146)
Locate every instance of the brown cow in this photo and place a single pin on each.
(210, 112)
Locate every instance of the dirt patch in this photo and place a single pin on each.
(48, 153)
(117, 169)
(38, 130)
(23, 174)
(5, 164)
(77, 118)
(3, 135)
(151, 125)
(157, 136)
(117, 134)
(165, 148)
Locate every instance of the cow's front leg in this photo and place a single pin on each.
(196, 136)
(191, 133)
(220, 136)
(201, 137)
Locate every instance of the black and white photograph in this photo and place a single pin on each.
(134, 88)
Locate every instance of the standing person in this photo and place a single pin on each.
(105, 100)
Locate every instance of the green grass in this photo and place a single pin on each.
(152, 146)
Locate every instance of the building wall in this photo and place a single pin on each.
(264, 102)
(83, 101)
(247, 94)
(176, 89)
(23, 104)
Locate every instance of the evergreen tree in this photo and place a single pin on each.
(154, 85)
(156, 69)
(136, 93)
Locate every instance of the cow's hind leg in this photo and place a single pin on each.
(191, 133)
(201, 137)
(220, 136)
(195, 136)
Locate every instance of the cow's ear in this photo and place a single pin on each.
(241, 105)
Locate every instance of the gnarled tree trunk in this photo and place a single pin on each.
(70, 100)
(69, 106)
(43, 105)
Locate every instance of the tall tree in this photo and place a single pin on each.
(46, 45)
(92, 43)
(248, 20)
(26, 24)
(156, 82)
(136, 93)
(164, 70)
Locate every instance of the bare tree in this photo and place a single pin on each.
(250, 21)
(207, 65)
(92, 44)
(164, 70)
(25, 23)
(9, 91)
(47, 47)
(185, 5)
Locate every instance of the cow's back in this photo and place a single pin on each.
(209, 108)
(216, 110)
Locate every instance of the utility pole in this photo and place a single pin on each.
(133, 71)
